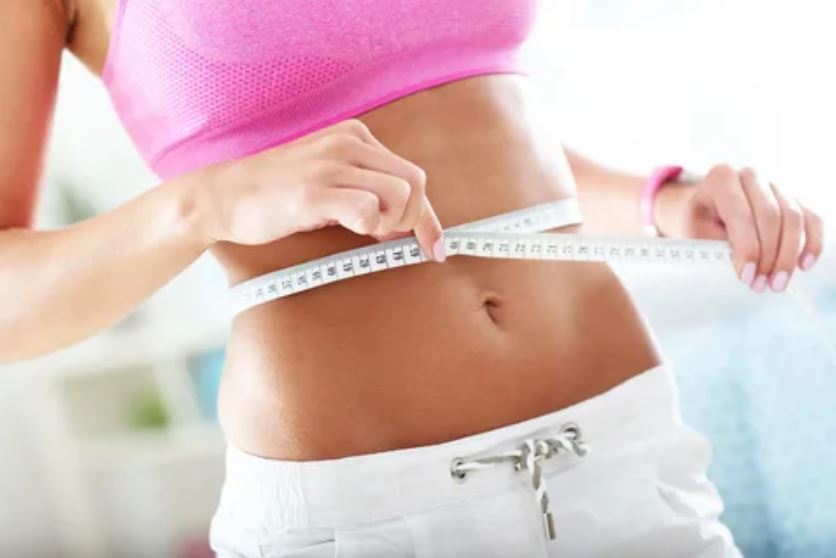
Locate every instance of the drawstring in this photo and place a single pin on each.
(529, 457)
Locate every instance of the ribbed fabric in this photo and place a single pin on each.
(197, 82)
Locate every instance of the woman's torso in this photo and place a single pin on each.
(442, 350)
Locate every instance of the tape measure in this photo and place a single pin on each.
(514, 235)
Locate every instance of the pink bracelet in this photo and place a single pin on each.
(654, 182)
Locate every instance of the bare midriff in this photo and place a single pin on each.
(434, 352)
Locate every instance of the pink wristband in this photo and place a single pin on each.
(656, 180)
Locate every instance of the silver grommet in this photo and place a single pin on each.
(570, 428)
(457, 475)
(579, 447)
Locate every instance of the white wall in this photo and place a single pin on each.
(26, 518)
(746, 81)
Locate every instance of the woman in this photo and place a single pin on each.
(455, 417)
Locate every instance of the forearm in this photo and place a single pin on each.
(59, 287)
(609, 198)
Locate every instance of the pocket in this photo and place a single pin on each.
(300, 543)
(235, 530)
(382, 539)
(646, 499)
(606, 501)
(683, 481)
(500, 525)
(246, 525)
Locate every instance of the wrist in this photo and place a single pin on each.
(669, 207)
(663, 199)
(197, 208)
(647, 199)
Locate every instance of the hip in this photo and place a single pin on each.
(638, 488)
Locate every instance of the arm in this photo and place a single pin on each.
(771, 234)
(57, 287)
(610, 198)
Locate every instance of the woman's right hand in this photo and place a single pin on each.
(340, 175)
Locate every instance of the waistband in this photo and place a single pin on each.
(377, 486)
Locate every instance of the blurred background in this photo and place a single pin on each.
(112, 446)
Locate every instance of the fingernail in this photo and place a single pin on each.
(808, 262)
(779, 281)
(440, 250)
(759, 284)
(748, 273)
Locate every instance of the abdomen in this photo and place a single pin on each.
(429, 353)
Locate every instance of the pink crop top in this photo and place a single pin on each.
(197, 82)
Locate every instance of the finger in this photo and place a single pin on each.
(350, 149)
(416, 203)
(792, 230)
(422, 219)
(351, 127)
(382, 160)
(767, 217)
(813, 239)
(356, 210)
(372, 158)
(734, 210)
(708, 230)
(419, 215)
(360, 130)
(392, 191)
(429, 233)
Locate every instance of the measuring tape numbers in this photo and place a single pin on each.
(514, 235)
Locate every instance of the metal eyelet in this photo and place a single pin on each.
(571, 429)
(458, 476)
(573, 432)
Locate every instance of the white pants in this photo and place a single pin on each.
(641, 491)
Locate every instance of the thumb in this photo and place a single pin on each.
(707, 229)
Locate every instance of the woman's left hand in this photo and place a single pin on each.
(771, 234)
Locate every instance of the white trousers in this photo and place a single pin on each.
(640, 491)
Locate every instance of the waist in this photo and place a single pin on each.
(426, 353)
(377, 486)
(405, 251)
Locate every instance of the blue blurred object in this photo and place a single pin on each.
(205, 370)
(761, 385)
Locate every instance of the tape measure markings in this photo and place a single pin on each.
(486, 238)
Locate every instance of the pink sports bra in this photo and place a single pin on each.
(197, 82)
